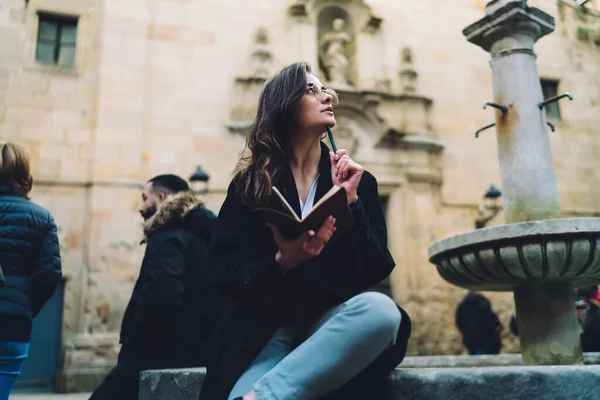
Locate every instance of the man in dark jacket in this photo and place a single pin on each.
(165, 324)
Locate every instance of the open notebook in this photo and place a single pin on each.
(334, 202)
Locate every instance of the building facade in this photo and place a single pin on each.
(106, 94)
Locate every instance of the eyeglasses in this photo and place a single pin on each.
(322, 93)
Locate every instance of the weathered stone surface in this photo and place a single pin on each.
(171, 384)
(488, 383)
(497, 383)
(461, 361)
(501, 360)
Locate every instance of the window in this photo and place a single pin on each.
(550, 89)
(57, 37)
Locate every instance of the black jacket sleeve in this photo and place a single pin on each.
(164, 267)
(354, 261)
(47, 271)
(242, 254)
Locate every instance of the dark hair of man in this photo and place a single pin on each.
(168, 183)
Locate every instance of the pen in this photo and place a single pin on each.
(330, 134)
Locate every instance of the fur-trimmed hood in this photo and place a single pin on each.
(183, 209)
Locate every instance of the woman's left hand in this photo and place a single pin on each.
(346, 173)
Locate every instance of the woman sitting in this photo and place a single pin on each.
(296, 322)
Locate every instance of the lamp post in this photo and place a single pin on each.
(490, 202)
(199, 181)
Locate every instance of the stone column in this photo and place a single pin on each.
(509, 32)
(545, 311)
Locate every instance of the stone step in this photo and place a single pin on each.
(482, 383)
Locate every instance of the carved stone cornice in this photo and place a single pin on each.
(419, 143)
(298, 8)
(509, 17)
(363, 13)
(424, 175)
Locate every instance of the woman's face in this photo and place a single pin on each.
(315, 110)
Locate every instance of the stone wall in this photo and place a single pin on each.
(152, 92)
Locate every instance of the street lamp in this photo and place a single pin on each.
(490, 202)
(199, 181)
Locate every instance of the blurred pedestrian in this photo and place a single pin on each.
(30, 267)
(479, 325)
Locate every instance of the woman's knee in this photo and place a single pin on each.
(380, 314)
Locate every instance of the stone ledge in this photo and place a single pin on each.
(488, 383)
(465, 361)
(496, 383)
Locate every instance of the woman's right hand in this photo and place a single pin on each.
(308, 245)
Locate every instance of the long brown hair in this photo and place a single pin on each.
(15, 169)
(271, 135)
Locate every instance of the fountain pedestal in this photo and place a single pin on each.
(541, 261)
(548, 331)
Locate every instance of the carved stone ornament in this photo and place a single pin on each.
(298, 8)
(260, 59)
(408, 75)
(373, 23)
(247, 88)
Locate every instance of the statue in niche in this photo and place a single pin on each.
(334, 50)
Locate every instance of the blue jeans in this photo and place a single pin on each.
(334, 349)
(12, 358)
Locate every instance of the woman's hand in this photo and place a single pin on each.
(308, 245)
(346, 173)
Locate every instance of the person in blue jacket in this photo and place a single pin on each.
(30, 267)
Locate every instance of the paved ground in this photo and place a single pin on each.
(49, 396)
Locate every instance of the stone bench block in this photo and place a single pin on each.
(485, 383)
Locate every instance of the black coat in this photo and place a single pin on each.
(166, 323)
(30, 260)
(479, 325)
(257, 297)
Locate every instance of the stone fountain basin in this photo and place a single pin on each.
(500, 257)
